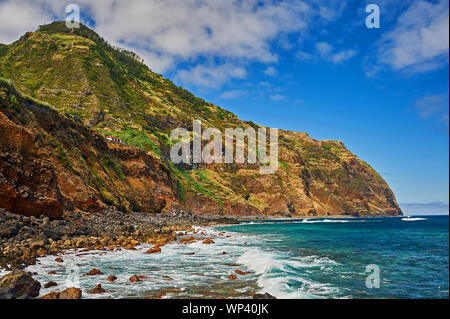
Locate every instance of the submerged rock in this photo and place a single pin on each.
(94, 272)
(50, 284)
(97, 290)
(232, 277)
(153, 250)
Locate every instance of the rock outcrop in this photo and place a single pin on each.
(21, 283)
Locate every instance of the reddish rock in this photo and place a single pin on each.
(70, 293)
(59, 260)
(97, 290)
(50, 284)
(50, 295)
(187, 240)
(153, 250)
(111, 278)
(240, 272)
(166, 277)
(41, 252)
(208, 241)
(94, 272)
(134, 278)
(232, 277)
(52, 272)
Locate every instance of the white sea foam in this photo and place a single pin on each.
(281, 275)
(275, 272)
(409, 219)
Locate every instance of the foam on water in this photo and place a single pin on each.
(207, 269)
(281, 275)
(409, 219)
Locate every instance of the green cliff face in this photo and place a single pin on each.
(112, 92)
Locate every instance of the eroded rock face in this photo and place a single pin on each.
(21, 283)
(58, 164)
(27, 182)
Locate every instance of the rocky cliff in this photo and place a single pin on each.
(54, 157)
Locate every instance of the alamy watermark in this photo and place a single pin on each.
(373, 19)
(73, 16)
(213, 151)
(373, 279)
(72, 276)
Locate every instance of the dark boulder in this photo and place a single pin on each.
(263, 296)
(21, 283)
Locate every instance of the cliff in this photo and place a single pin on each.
(54, 156)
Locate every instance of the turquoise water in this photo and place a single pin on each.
(319, 258)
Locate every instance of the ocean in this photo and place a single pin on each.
(394, 257)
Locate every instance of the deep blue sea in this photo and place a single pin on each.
(309, 258)
(328, 257)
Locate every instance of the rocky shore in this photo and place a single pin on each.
(23, 239)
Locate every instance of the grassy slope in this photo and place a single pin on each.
(110, 90)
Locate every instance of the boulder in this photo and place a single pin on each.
(153, 250)
(7, 231)
(50, 284)
(232, 277)
(134, 278)
(21, 282)
(263, 296)
(51, 295)
(70, 293)
(208, 241)
(94, 272)
(7, 293)
(97, 290)
(111, 278)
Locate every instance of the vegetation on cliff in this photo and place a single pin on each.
(105, 90)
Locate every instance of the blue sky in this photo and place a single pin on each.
(309, 66)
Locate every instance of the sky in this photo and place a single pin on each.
(311, 66)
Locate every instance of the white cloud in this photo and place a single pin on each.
(434, 106)
(173, 32)
(326, 51)
(187, 30)
(18, 17)
(303, 56)
(277, 97)
(271, 71)
(420, 39)
(343, 55)
(233, 94)
(210, 75)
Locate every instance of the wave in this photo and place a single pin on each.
(307, 221)
(281, 275)
(409, 219)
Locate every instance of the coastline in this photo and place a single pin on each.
(33, 239)
(56, 268)
(25, 238)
